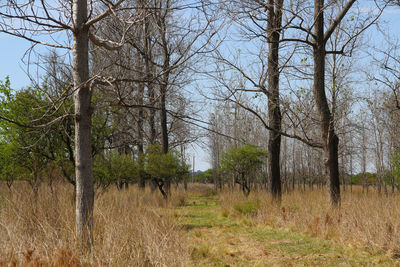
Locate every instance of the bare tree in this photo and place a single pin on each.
(274, 26)
(262, 25)
(165, 51)
(33, 21)
(329, 137)
(316, 34)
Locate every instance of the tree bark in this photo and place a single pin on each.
(152, 116)
(329, 137)
(140, 146)
(149, 68)
(164, 122)
(293, 165)
(83, 147)
(164, 133)
(274, 114)
(163, 93)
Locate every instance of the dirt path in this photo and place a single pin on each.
(220, 239)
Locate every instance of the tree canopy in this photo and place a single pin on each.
(242, 162)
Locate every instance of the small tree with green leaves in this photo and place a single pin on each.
(30, 148)
(242, 162)
(10, 170)
(114, 168)
(205, 177)
(41, 130)
(161, 167)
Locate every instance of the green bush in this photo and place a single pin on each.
(243, 162)
(112, 167)
(249, 208)
(169, 166)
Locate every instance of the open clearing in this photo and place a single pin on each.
(199, 227)
(218, 238)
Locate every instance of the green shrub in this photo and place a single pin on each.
(112, 167)
(248, 208)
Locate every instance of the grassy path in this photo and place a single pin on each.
(220, 239)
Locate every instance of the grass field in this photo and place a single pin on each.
(199, 228)
(218, 237)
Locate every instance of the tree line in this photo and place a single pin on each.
(118, 100)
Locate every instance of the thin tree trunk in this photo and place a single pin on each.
(343, 172)
(152, 117)
(142, 181)
(285, 168)
(163, 90)
(164, 133)
(141, 87)
(274, 113)
(83, 147)
(164, 123)
(150, 83)
(294, 166)
(351, 172)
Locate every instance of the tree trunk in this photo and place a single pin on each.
(162, 27)
(149, 68)
(274, 113)
(293, 165)
(329, 138)
(142, 181)
(152, 116)
(285, 171)
(245, 185)
(164, 125)
(164, 133)
(83, 147)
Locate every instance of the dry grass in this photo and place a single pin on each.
(369, 221)
(129, 229)
(134, 228)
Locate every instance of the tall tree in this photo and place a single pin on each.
(274, 27)
(51, 17)
(316, 36)
(329, 137)
(261, 21)
(83, 141)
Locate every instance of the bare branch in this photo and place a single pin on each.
(110, 10)
(337, 20)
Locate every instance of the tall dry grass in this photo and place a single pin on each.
(130, 229)
(370, 221)
(134, 228)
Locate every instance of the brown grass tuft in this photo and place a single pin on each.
(131, 228)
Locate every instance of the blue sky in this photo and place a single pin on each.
(13, 49)
(11, 52)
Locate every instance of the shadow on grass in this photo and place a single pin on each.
(190, 226)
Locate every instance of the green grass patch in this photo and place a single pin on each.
(201, 212)
(249, 208)
(218, 239)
